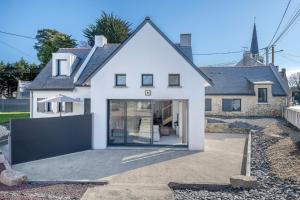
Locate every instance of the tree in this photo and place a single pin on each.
(294, 81)
(115, 29)
(10, 73)
(49, 41)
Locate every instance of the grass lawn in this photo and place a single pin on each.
(6, 116)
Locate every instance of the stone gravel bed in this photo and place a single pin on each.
(271, 186)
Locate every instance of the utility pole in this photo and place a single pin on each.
(273, 55)
(267, 55)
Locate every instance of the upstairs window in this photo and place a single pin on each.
(147, 79)
(120, 80)
(62, 67)
(231, 105)
(174, 80)
(262, 95)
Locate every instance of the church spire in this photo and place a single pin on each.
(254, 44)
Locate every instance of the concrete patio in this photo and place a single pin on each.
(222, 158)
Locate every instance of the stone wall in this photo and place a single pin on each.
(249, 106)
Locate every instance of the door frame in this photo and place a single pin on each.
(151, 129)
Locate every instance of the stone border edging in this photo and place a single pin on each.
(202, 186)
(69, 182)
(248, 160)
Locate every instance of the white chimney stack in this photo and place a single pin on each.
(100, 40)
(185, 39)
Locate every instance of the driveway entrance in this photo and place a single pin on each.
(222, 158)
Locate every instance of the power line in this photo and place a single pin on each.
(216, 53)
(17, 35)
(293, 19)
(289, 59)
(16, 49)
(285, 11)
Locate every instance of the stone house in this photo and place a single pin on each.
(246, 91)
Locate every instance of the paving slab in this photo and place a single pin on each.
(132, 192)
(223, 157)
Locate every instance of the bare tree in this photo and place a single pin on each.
(294, 81)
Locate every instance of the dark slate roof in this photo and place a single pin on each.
(237, 80)
(97, 59)
(45, 80)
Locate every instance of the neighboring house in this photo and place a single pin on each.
(252, 57)
(145, 91)
(22, 91)
(246, 91)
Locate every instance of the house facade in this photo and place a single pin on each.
(245, 91)
(140, 92)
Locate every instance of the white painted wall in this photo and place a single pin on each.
(148, 52)
(78, 107)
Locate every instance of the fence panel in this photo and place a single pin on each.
(38, 138)
(14, 105)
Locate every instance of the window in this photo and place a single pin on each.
(147, 79)
(262, 95)
(49, 107)
(231, 105)
(68, 107)
(41, 106)
(207, 104)
(120, 80)
(62, 67)
(174, 80)
(65, 107)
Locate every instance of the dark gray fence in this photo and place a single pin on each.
(14, 105)
(38, 138)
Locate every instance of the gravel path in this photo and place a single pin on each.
(269, 133)
(43, 191)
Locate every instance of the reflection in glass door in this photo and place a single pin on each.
(117, 126)
(130, 122)
(139, 122)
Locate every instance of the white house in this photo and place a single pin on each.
(144, 91)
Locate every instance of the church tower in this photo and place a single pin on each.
(252, 57)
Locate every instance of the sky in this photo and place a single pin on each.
(215, 25)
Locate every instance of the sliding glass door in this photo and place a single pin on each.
(130, 122)
(147, 122)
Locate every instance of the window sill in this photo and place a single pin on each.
(174, 86)
(263, 103)
(146, 86)
(116, 86)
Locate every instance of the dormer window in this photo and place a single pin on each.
(63, 64)
(62, 67)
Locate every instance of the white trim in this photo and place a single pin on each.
(83, 65)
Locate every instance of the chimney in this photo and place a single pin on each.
(100, 40)
(283, 71)
(185, 39)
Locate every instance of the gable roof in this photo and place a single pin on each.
(45, 80)
(239, 80)
(183, 52)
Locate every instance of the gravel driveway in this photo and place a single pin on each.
(274, 163)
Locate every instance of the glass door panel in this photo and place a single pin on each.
(117, 123)
(139, 122)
